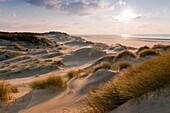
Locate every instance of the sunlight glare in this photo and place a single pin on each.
(128, 15)
(125, 36)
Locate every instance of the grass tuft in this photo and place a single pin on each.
(6, 90)
(125, 54)
(124, 65)
(161, 46)
(13, 89)
(19, 47)
(147, 52)
(73, 73)
(142, 48)
(1, 51)
(149, 76)
(51, 81)
(104, 65)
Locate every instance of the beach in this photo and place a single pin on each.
(127, 40)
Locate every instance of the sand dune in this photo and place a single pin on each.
(83, 56)
(152, 104)
(37, 62)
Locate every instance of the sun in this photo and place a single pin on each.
(127, 15)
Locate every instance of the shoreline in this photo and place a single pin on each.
(134, 42)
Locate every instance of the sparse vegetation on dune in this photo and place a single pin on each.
(103, 65)
(73, 73)
(124, 65)
(6, 90)
(13, 89)
(148, 52)
(142, 48)
(1, 51)
(161, 46)
(51, 81)
(19, 47)
(9, 54)
(124, 54)
(149, 76)
(28, 37)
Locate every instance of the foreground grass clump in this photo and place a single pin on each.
(13, 89)
(6, 90)
(147, 52)
(142, 48)
(149, 76)
(161, 46)
(73, 73)
(51, 81)
(103, 65)
(125, 54)
(124, 65)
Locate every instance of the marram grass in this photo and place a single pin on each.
(51, 81)
(148, 52)
(140, 79)
(103, 65)
(124, 54)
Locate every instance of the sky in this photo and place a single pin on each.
(86, 16)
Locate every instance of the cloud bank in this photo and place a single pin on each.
(76, 7)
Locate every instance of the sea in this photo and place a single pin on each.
(145, 37)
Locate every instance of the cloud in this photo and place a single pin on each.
(121, 2)
(61, 26)
(76, 7)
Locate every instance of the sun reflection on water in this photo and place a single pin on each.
(125, 36)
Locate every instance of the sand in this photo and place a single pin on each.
(133, 42)
(75, 53)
